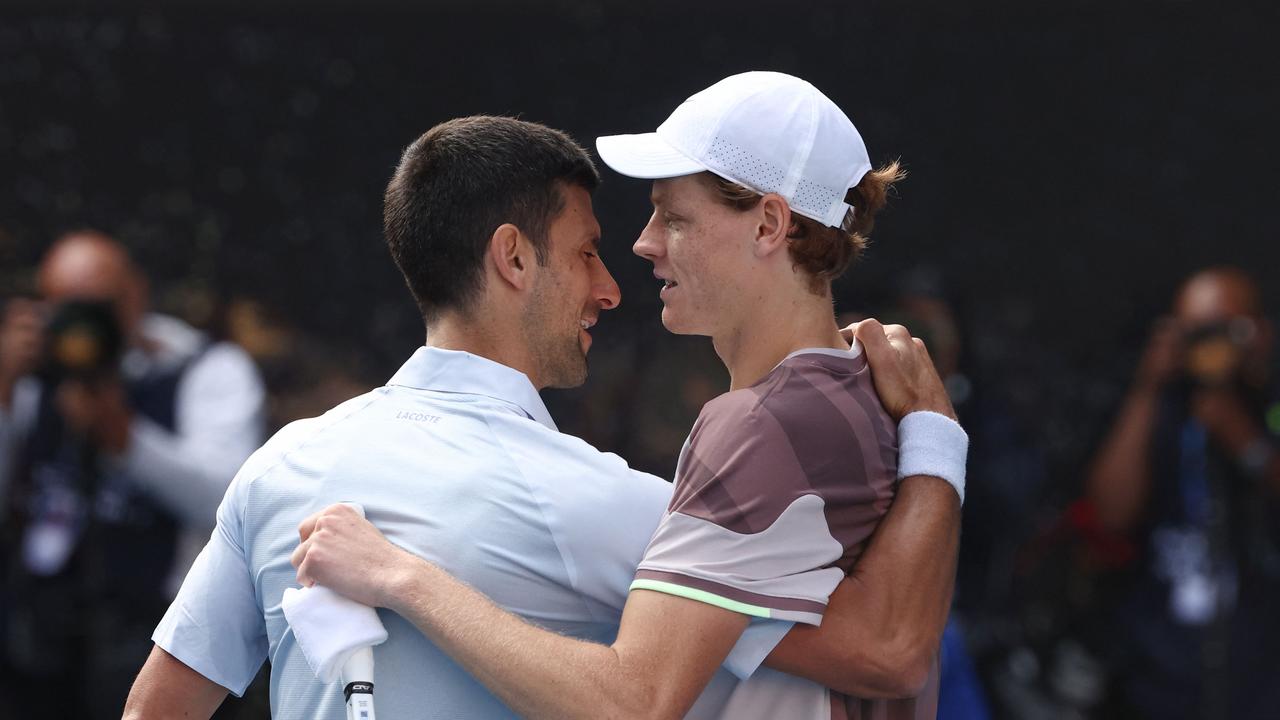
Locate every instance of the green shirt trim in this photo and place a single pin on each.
(701, 596)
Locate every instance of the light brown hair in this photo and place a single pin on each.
(824, 253)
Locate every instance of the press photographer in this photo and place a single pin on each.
(1190, 473)
(119, 432)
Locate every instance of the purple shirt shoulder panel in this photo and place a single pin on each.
(813, 426)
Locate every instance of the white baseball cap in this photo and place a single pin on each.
(767, 131)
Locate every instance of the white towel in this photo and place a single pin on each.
(330, 627)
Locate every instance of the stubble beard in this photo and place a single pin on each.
(557, 351)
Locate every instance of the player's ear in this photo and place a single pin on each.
(512, 255)
(774, 220)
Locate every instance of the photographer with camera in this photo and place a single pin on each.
(1191, 474)
(119, 433)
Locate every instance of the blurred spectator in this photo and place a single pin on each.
(304, 377)
(1009, 478)
(1010, 472)
(119, 432)
(1190, 473)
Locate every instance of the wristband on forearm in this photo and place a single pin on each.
(933, 444)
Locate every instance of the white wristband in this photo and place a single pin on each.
(932, 444)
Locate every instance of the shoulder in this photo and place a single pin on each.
(175, 338)
(297, 435)
(808, 398)
(258, 471)
(550, 459)
(223, 368)
(530, 439)
(178, 342)
(225, 357)
(813, 426)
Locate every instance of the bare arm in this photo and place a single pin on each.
(883, 624)
(666, 652)
(1119, 480)
(166, 688)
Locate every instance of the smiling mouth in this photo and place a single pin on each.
(669, 284)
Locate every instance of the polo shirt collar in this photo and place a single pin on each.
(454, 371)
(854, 351)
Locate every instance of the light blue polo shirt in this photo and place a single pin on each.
(457, 460)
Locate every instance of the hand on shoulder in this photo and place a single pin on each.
(903, 373)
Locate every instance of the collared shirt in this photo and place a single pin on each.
(456, 460)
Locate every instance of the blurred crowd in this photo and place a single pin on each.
(120, 429)
(1143, 588)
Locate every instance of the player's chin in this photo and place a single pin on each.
(677, 324)
(570, 373)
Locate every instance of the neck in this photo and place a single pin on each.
(467, 333)
(774, 330)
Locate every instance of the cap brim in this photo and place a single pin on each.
(646, 156)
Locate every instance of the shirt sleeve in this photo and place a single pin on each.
(602, 534)
(219, 404)
(600, 514)
(754, 645)
(215, 625)
(746, 530)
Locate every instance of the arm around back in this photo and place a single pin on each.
(883, 625)
(666, 651)
(880, 635)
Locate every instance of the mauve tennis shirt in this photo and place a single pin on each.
(778, 489)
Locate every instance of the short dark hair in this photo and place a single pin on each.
(461, 180)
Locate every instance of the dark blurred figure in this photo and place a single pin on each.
(304, 377)
(1009, 472)
(119, 433)
(1191, 474)
(1008, 480)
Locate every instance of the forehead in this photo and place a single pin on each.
(683, 190)
(83, 269)
(1214, 297)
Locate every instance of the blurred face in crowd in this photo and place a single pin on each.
(701, 250)
(1216, 296)
(91, 266)
(569, 293)
(1219, 314)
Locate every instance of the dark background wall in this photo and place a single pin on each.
(1069, 162)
